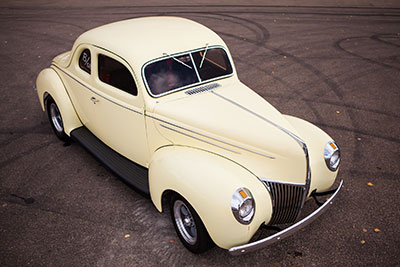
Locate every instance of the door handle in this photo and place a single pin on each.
(95, 100)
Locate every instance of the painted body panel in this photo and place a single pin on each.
(242, 137)
(99, 104)
(175, 36)
(208, 182)
(322, 177)
(49, 83)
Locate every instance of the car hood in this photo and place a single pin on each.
(234, 118)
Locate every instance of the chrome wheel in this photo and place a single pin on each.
(185, 222)
(56, 118)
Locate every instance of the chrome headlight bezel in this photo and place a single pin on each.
(243, 205)
(332, 156)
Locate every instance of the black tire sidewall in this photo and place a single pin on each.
(61, 135)
(203, 241)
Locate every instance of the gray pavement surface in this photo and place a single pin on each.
(333, 63)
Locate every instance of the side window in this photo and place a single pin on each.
(84, 60)
(116, 74)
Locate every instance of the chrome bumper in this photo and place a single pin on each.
(286, 232)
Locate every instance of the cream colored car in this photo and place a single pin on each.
(158, 101)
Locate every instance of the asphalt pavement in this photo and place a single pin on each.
(333, 63)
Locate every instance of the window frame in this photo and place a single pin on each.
(98, 55)
(194, 64)
(91, 61)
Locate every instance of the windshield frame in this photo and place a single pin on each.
(194, 66)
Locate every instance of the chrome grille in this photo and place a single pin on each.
(287, 201)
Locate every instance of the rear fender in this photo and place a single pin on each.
(208, 181)
(49, 83)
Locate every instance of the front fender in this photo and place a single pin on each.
(316, 139)
(207, 181)
(49, 82)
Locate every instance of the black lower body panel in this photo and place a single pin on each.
(130, 172)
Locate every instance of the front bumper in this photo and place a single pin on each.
(286, 232)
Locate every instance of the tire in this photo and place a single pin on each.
(188, 226)
(55, 119)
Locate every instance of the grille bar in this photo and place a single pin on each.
(287, 201)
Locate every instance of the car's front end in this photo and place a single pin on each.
(211, 110)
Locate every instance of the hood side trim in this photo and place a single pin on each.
(202, 140)
(300, 141)
(207, 136)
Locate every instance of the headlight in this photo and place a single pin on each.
(243, 205)
(332, 156)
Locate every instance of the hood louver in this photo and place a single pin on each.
(202, 89)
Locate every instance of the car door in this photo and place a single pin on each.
(118, 106)
(78, 78)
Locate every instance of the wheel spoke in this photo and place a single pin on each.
(193, 231)
(185, 222)
(184, 211)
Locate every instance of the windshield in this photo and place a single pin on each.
(178, 72)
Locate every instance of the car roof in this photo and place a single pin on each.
(140, 40)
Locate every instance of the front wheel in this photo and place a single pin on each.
(55, 119)
(188, 225)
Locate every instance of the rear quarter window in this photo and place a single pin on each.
(116, 74)
(85, 61)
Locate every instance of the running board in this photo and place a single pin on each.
(132, 173)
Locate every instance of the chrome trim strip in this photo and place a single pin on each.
(275, 181)
(295, 137)
(169, 128)
(298, 139)
(240, 250)
(122, 106)
(213, 138)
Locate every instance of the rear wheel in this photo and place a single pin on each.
(55, 119)
(188, 225)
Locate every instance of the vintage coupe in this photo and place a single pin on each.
(158, 101)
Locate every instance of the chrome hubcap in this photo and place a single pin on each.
(185, 222)
(56, 118)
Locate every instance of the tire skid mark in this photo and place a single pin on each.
(55, 39)
(239, 9)
(259, 37)
(274, 77)
(329, 82)
(18, 133)
(333, 86)
(264, 31)
(56, 211)
(26, 152)
(338, 45)
(357, 131)
(378, 37)
(337, 104)
(325, 79)
(44, 21)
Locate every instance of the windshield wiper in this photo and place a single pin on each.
(177, 60)
(204, 56)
